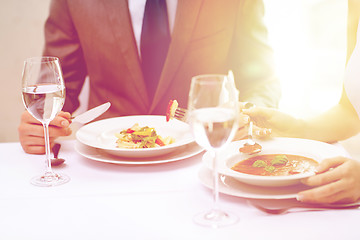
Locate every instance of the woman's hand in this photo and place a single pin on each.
(337, 181)
(242, 132)
(279, 123)
(31, 131)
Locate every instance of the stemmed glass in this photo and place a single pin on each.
(213, 116)
(43, 94)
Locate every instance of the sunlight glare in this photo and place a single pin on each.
(309, 42)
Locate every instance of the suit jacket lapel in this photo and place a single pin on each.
(186, 16)
(119, 17)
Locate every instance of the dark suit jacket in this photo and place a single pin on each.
(94, 38)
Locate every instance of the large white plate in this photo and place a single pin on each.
(101, 134)
(304, 147)
(100, 155)
(233, 187)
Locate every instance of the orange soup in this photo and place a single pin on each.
(276, 165)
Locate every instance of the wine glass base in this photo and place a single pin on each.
(50, 180)
(215, 219)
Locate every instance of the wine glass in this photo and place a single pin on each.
(213, 117)
(43, 94)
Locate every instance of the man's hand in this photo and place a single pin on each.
(31, 131)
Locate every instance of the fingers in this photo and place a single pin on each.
(31, 131)
(260, 116)
(330, 193)
(34, 144)
(261, 132)
(242, 131)
(330, 163)
(258, 112)
(338, 180)
(246, 105)
(243, 120)
(26, 117)
(240, 134)
(63, 119)
(336, 192)
(63, 114)
(257, 131)
(328, 172)
(323, 178)
(59, 126)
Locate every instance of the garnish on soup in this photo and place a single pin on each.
(276, 165)
(141, 137)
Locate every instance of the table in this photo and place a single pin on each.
(108, 201)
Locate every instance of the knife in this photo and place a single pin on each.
(91, 114)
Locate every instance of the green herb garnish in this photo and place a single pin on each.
(259, 164)
(269, 168)
(279, 160)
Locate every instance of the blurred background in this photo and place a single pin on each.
(309, 41)
(21, 36)
(308, 37)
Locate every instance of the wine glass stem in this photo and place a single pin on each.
(215, 181)
(48, 170)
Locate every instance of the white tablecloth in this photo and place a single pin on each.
(108, 201)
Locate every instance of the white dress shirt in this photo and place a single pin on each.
(137, 8)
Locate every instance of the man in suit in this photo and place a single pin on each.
(102, 39)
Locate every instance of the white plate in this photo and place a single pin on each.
(100, 155)
(304, 147)
(101, 134)
(233, 187)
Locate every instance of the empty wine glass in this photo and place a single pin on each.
(213, 116)
(43, 94)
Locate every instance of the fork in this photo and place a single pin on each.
(181, 114)
(302, 208)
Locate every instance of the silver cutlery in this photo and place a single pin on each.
(302, 207)
(91, 114)
(81, 118)
(250, 146)
(56, 161)
(180, 114)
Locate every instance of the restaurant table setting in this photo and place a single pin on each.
(179, 179)
(145, 201)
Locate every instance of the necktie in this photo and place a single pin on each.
(154, 42)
